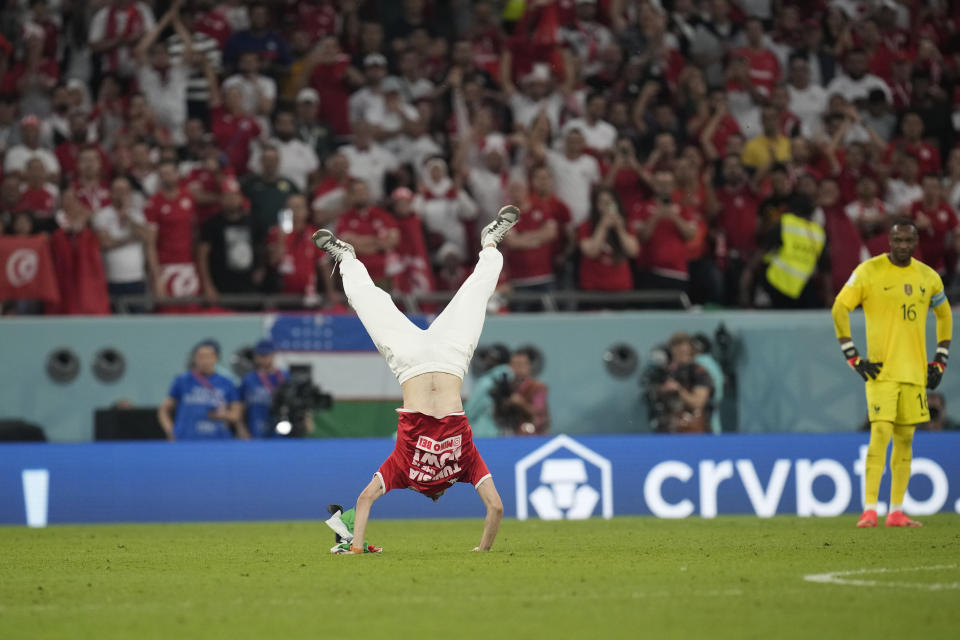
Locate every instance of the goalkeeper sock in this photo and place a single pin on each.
(870, 506)
(900, 459)
(880, 434)
(896, 507)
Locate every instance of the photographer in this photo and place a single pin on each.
(681, 393)
(490, 368)
(257, 390)
(205, 402)
(521, 404)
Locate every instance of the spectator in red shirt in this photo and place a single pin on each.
(332, 76)
(543, 195)
(232, 126)
(869, 214)
(764, 67)
(88, 188)
(409, 264)
(39, 197)
(937, 222)
(372, 231)
(67, 152)
(291, 252)
(171, 211)
(606, 246)
(530, 247)
(664, 227)
(911, 141)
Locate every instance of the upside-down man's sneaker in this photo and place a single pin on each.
(333, 245)
(898, 519)
(496, 230)
(867, 520)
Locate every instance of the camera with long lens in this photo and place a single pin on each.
(294, 399)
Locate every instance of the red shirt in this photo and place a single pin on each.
(233, 135)
(559, 212)
(298, 267)
(175, 218)
(372, 222)
(927, 155)
(330, 82)
(67, 153)
(630, 189)
(40, 201)
(764, 67)
(933, 242)
(665, 250)
(535, 265)
(214, 24)
(93, 197)
(845, 246)
(210, 182)
(604, 273)
(738, 217)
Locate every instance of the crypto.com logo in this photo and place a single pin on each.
(22, 266)
(564, 491)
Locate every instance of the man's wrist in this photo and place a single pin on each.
(849, 350)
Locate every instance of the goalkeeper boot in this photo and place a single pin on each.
(867, 520)
(898, 519)
(496, 230)
(333, 245)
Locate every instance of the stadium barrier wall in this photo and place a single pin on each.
(550, 478)
(791, 374)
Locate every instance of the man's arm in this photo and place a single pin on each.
(491, 524)
(164, 414)
(847, 300)
(936, 368)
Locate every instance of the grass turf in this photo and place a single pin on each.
(731, 577)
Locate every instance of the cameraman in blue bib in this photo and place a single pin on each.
(205, 402)
(257, 389)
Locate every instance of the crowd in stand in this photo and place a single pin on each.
(189, 149)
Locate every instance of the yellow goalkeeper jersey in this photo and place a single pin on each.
(895, 303)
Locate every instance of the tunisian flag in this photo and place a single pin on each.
(83, 283)
(26, 270)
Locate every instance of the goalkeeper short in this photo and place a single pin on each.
(896, 402)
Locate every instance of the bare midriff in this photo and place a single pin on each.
(434, 394)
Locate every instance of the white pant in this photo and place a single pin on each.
(446, 345)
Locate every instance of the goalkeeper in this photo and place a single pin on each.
(896, 292)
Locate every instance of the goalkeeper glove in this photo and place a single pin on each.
(866, 369)
(936, 368)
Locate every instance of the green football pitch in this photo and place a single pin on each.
(732, 577)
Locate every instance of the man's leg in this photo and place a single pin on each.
(880, 434)
(362, 513)
(900, 458)
(491, 524)
(462, 320)
(380, 317)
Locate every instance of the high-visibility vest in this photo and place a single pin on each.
(791, 266)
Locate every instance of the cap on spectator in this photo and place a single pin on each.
(391, 85)
(374, 60)
(264, 347)
(495, 142)
(401, 193)
(540, 72)
(421, 92)
(308, 95)
(30, 121)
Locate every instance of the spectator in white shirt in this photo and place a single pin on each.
(17, 157)
(127, 242)
(163, 84)
(298, 161)
(369, 98)
(443, 206)
(259, 91)
(392, 114)
(807, 101)
(537, 95)
(575, 173)
(855, 85)
(368, 160)
(598, 134)
(416, 145)
(902, 192)
(114, 30)
(488, 180)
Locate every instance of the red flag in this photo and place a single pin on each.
(26, 270)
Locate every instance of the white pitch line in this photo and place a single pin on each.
(840, 577)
